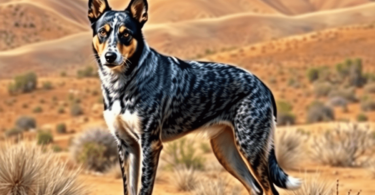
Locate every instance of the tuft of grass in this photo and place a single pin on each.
(13, 132)
(56, 148)
(47, 85)
(218, 186)
(318, 112)
(38, 109)
(61, 128)
(288, 147)
(185, 178)
(343, 147)
(27, 169)
(44, 137)
(95, 148)
(313, 74)
(182, 153)
(362, 117)
(322, 89)
(315, 185)
(76, 110)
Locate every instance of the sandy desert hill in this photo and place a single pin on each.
(296, 7)
(187, 39)
(33, 23)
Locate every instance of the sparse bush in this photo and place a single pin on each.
(61, 110)
(338, 101)
(44, 137)
(95, 148)
(322, 89)
(370, 88)
(26, 169)
(367, 104)
(370, 77)
(47, 85)
(182, 153)
(355, 74)
(76, 110)
(343, 147)
(13, 132)
(348, 94)
(288, 149)
(313, 74)
(185, 178)
(56, 148)
(61, 128)
(86, 72)
(63, 74)
(315, 185)
(362, 117)
(26, 123)
(284, 113)
(38, 109)
(23, 83)
(318, 112)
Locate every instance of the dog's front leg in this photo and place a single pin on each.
(151, 146)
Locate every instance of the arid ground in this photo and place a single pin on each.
(317, 57)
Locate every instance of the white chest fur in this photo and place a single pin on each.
(126, 125)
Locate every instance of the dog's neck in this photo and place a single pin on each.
(114, 83)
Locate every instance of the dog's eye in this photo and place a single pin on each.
(102, 32)
(126, 35)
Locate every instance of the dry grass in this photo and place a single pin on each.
(315, 185)
(288, 146)
(218, 186)
(185, 178)
(26, 169)
(114, 171)
(344, 147)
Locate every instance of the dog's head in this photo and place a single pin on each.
(117, 35)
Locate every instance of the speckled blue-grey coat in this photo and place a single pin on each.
(150, 98)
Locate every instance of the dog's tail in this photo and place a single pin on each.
(277, 175)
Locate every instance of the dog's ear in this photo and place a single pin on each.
(138, 9)
(97, 8)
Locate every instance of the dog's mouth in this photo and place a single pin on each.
(112, 65)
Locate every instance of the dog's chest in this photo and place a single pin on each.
(125, 124)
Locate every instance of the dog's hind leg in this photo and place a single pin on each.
(254, 136)
(225, 150)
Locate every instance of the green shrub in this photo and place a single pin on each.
(38, 109)
(284, 113)
(76, 110)
(182, 153)
(61, 110)
(86, 72)
(356, 77)
(348, 94)
(56, 148)
(367, 104)
(318, 112)
(322, 89)
(25, 123)
(95, 148)
(13, 132)
(313, 74)
(23, 83)
(47, 85)
(362, 117)
(63, 74)
(369, 77)
(61, 128)
(44, 137)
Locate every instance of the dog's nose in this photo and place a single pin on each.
(110, 57)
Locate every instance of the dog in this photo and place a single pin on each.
(150, 98)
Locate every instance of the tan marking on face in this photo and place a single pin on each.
(127, 51)
(121, 29)
(107, 27)
(99, 47)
